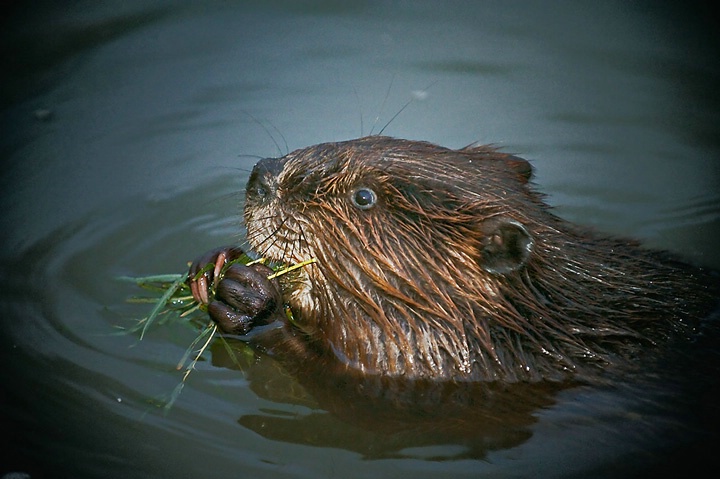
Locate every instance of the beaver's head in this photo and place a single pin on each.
(429, 260)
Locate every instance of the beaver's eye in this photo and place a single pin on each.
(364, 198)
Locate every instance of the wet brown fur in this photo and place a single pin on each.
(401, 289)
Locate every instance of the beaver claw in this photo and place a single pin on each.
(244, 296)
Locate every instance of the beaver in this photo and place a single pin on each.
(441, 264)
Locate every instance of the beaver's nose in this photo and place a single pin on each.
(262, 185)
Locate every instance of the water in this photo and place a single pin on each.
(128, 133)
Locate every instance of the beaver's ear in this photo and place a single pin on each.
(520, 166)
(506, 245)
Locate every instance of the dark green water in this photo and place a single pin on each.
(128, 130)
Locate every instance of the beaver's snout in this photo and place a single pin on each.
(263, 181)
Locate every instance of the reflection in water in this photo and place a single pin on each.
(658, 416)
(381, 417)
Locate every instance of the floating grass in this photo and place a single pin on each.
(173, 302)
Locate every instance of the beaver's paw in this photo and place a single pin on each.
(200, 285)
(244, 297)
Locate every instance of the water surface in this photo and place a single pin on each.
(128, 134)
